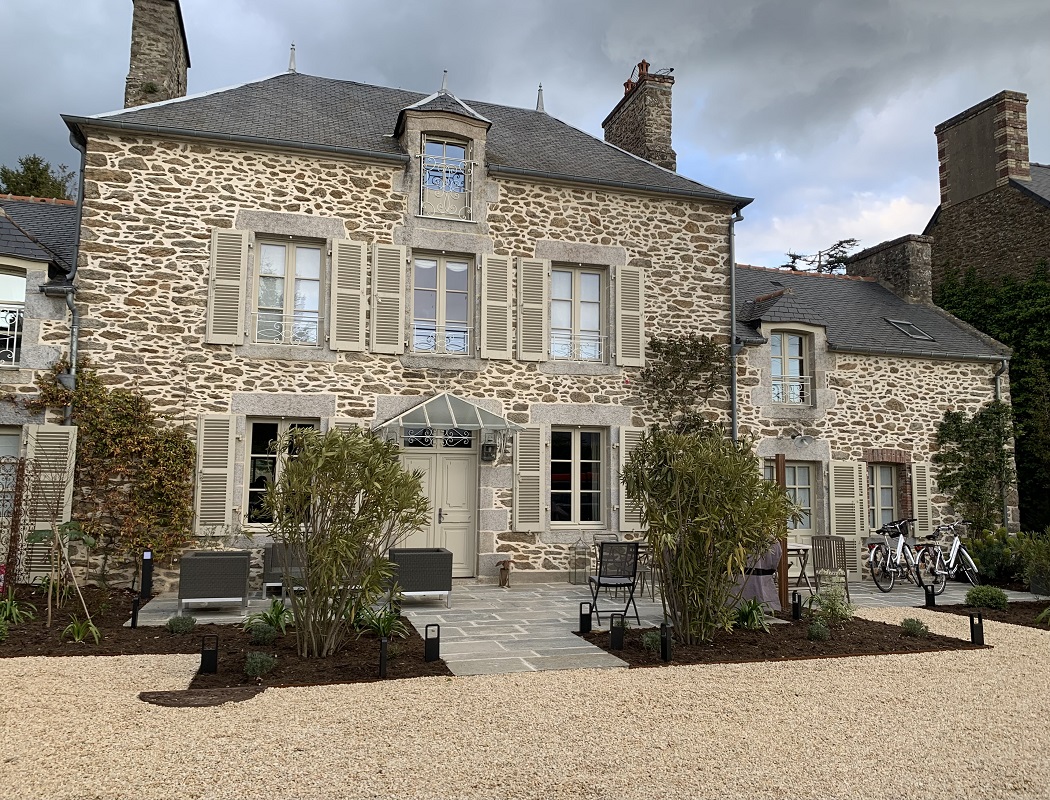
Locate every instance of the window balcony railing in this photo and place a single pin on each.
(11, 318)
(445, 339)
(793, 390)
(445, 187)
(302, 328)
(578, 347)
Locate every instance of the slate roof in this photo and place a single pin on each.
(297, 110)
(442, 101)
(38, 229)
(854, 313)
(1040, 183)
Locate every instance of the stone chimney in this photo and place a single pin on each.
(641, 121)
(984, 147)
(160, 56)
(902, 265)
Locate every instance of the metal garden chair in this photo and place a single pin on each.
(617, 569)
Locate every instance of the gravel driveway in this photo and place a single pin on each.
(73, 728)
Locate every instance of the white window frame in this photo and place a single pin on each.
(575, 491)
(795, 489)
(283, 426)
(449, 171)
(457, 340)
(793, 390)
(876, 485)
(577, 343)
(290, 326)
(12, 317)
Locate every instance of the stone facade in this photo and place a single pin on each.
(160, 57)
(641, 122)
(901, 265)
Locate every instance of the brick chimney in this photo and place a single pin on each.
(902, 265)
(160, 56)
(984, 147)
(641, 121)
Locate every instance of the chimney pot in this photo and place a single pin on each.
(641, 122)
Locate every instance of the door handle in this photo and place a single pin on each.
(441, 516)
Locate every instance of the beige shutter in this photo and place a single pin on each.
(534, 304)
(51, 452)
(388, 299)
(495, 307)
(922, 508)
(528, 479)
(630, 317)
(630, 517)
(216, 435)
(346, 423)
(229, 268)
(348, 298)
(849, 517)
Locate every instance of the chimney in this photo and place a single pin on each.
(160, 56)
(984, 147)
(902, 265)
(641, 122)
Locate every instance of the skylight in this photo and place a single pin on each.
(910, 329)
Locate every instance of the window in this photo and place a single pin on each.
(441, 304)
(789, 361)
(576, 315)
(446, 176)
(12, 312)
(264, 464)
(882, 494)
(576, 476)
(798, 479)
(287, 309)
(909, 329)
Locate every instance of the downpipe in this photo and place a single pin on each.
(997, 378)
(734, 347)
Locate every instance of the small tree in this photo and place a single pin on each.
(708, 509)
(974, 465)
(681, 375)
(341, 502)
(37, 178)
(831, 259)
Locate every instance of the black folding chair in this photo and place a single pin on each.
(617, 569)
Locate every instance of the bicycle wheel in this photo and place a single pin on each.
(932, 569)
(967, 567)
(880, 571)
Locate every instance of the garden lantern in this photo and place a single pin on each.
(977, 628)
(585, 617)
(617, 628)
(135, 611)
(147, 575)
(432, 644)
(931, 595)
(383, 642)
(665, 641)
(579, 562)
(796, 605)
(209, 655)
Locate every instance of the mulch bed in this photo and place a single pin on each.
(859, 637)
(1017, 613)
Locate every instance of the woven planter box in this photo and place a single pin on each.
(423, 571)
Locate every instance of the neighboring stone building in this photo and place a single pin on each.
(994, 215)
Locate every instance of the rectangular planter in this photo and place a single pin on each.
(423, 571)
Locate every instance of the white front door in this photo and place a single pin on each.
(450, 480)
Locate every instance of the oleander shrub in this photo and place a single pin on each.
(914, 627)
(257, 664)
(262, 633)
(818, 631)
(987, 597)
(180, 624)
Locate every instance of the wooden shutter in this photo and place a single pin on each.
(849, 517)
(348, 298)
(534, 287)
(922, 508)
(346, 423)
(495, 307)
(630, 317)
(229, 268)
(528, 479)
(388, 299)
(216, 435)
(51, 452)
(630, 517)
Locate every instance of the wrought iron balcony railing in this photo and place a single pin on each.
(445, 187)
(447, 339)
(302, 328)
(578, 347)
(792, 389)
(11, 318)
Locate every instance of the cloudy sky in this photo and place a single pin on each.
(822, 110)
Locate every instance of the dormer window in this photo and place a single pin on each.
(446, 178)
(789, 356)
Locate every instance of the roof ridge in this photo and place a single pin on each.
(23, 198)
(187, 97)
(832, 275)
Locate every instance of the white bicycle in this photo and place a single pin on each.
(935, 569)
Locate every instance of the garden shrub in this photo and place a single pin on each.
(987, 597)
(1035, 556)
(830, 607)
(4, 629)
(997, 554)
(15, 611)
(818, 631)
(751, 616)
(384, 623)
(262, 633)
(1044, 617)
(277, 616)
(651, 641)
(180, 624)
(914, 627)
(257, 664)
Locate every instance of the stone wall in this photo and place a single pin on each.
(1004, 232)
(901, 265)
(641, 122)
(159, 56)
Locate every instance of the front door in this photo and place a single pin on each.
(448, 461)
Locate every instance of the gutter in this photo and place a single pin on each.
(937, 355)
(734, 347)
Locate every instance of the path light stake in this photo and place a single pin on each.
(135, 611)
(616, 631)
(209, 655)
(977, 628)
(147, 574)
(665, 641)
(585, 617)
(931, 596)
(432, 644)
(796, 605)
(383, 641)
